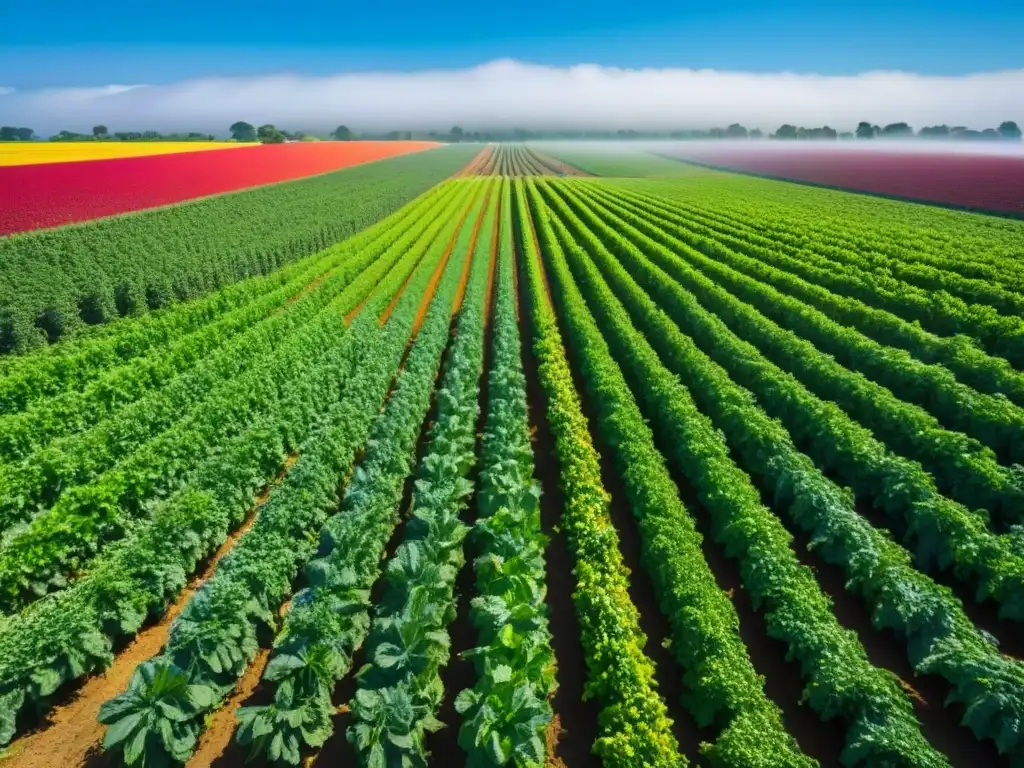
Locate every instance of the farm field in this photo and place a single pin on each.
(37, 152)
(986, 182)
(91, 189)
(515, 456)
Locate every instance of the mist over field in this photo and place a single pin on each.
(508, 93)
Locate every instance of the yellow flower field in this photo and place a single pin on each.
(37, 152)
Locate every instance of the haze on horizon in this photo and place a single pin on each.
(506, 93)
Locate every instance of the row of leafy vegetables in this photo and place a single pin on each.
(945, 535)
(619, 272)
(70, 634)
(61, 282)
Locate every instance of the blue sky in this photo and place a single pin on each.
(162, 42)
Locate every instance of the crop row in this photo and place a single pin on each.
(400, 690)
(837, 224)
(504, 713)
(958, 354)
(54, 282)
(214, 639)
(70, 634)
(941, 312)
(943, 532)
(934, 275)
(85, 517)
(840, 679)
(329, 620)
(182, 371)
(965, 468)
(939, 637)
(635, 729)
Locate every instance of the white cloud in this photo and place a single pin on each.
(4, 90)
(508, 93)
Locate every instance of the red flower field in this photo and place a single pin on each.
(988, 182)
(36, 196)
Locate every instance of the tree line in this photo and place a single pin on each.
(270, 134)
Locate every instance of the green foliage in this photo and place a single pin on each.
(964, 468)
(705, 627)
(505, 713)
(943, 532)
(635, 729)
(68, 277)
(940, 639)
(329, 620)
(70, 635)
(85, 517)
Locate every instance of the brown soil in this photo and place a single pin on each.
(551, 736)
(475, 166)
(492, 270)
(428, 294)
(220, 726)
(71, 735)
(460, 291)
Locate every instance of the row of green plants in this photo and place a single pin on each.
(634, 727)
(400, 689)
(944, 534)
(504, 715)
(840, 680)
(60, 368)
(55, 282)
(70, 634)
(329, 620)
(216, 636)
(992, 419)
(928, 275)
(705, 626)
(958, 354)
(110, 389)
(61, 540)
(939, 637)
(964, 468)
(941, 312)
(971, 244)
(37, 482)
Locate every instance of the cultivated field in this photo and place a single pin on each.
(515, 456)
(950, 175)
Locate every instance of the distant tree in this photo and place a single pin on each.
(876, 130)
(8, 133)
(756, 134)
(736, 131)
(341, 133)
(786, 131)
(1009, 130)
(456, 133)
(26, 134)
(150, 136)
(823, 133)
(846, 135)
(990, 133)
(392, 136)
(268, 134)
(242, 131)
(897, 131)
(99, 131)
(934, 132)
(865, 131)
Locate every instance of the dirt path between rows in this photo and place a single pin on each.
(71, 735)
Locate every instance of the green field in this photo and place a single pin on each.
(575, 458)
